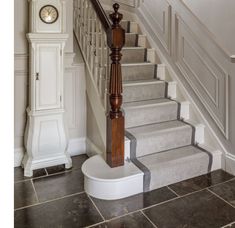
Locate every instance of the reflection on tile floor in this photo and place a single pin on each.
(54, 197)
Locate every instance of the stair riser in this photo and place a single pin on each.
(131, 40)
(161, 141)
(133, 55)
(143, 92)
(150, 114)
(138, 72)
(125, 25)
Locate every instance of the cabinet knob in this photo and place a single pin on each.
(37, 76)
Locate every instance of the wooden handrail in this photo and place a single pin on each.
(102, 15)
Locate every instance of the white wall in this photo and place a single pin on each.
(75, 100)
(218, 16)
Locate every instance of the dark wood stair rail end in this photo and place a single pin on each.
(115, 117)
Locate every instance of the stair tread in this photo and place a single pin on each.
(137, 64)
(153, 102)
(176, 165)
(155, 160)
(158, 127)
(133, 48)
(131, 33)
(144, 82)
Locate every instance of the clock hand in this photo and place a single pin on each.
(49, 12)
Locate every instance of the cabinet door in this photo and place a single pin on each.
(48, 76)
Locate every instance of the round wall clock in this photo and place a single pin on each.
(49, 14)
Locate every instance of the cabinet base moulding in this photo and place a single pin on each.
(30, 164)
(76, 147)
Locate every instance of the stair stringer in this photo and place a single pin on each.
(196, 115)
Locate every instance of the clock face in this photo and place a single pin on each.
(49, 14)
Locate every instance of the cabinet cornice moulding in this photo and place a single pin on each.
(50, 37)
(21, 63)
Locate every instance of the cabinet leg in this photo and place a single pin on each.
(69, 164)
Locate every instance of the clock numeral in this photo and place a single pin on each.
(37, 76)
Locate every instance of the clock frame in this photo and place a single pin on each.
(50, 22)
(38, 25)
(46, 139)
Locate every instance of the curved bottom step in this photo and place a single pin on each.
(103, 182)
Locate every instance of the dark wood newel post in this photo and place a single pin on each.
(115, 118)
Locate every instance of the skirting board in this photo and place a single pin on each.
(76, 146)
(230, 163)
(92, 149)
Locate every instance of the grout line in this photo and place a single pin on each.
(229, 225)
(232, 179)
(140, 210)
(96, 224)
(220, 198)
(115, 218)
(170, 200)
(96, 208)
(46, 172)
(16, 182)
(120, 216)
(148, 219)
(48, 201)
(35, 191)
(172, 191)
(47, 175)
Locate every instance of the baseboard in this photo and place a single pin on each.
(18, 156)
(230, 163)
(92, 149)
(76, 146)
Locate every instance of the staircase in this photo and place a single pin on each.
(162, 142)
(162, 145)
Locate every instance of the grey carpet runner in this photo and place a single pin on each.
(162, 145)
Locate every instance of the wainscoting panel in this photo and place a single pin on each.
(206, 77)
(159, 13)
(75, 101)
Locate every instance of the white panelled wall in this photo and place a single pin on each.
(186, 35)
(74, 79)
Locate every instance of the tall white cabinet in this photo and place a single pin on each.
(46, 138)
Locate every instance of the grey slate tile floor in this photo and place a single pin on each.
(55, 198)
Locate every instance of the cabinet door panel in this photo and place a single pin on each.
(49, 76)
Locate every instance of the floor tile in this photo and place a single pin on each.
(135, 220)
(60, 185)
(112, 208)
(55, 169)
(219, 176)
(77, 164)
(226, 191)
(198, 210)
(24, 194)
(19, 174)
(79, 160)
(232, 225)
(200, 182)
(75, 211)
